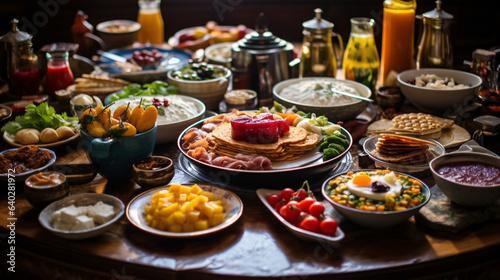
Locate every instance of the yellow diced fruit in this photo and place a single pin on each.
(185, 189)
(195, 189)
(182, 198)
(209, 195)
(193, 216)
(218, 202)
(217, 208)
(170, 221)
(187, 207)
(199, 200)
(149, 219)
(156, 214)
(175, 228)
(161, 225)
(191, 196)
(216, 219)
(179, 217)
(147, 210)
(175, 189)
(201, 225)
(207, 209)
(154, 224)
(169, 210)
(187, 227)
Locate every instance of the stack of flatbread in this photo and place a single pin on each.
(291, 146)
(92, 85)
(419, 124)
(402, 149)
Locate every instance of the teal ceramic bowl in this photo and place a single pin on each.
(114, 157)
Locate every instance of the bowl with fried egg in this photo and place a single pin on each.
(376, 198)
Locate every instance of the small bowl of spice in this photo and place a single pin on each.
(153, 171)
(43, 188)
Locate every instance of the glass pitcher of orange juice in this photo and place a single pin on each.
(151, 22)
(397, 37)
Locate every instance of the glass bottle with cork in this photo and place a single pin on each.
(361, 62)
(151, 22)
(397, 37)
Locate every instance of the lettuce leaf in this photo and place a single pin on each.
(40, 117)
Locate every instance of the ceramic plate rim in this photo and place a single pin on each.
(262, 193)
(133, 205)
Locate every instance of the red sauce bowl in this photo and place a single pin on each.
(466, 194)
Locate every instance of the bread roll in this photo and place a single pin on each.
(65, 132)
(27, 136)
(49, 135)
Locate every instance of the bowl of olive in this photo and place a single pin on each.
(206, 82)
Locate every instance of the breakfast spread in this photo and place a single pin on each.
(75, 218)
(403, 149)
(184, 209)
(377, 190)
(23, 159)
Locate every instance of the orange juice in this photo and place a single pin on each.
(397, 37)
(151, 22)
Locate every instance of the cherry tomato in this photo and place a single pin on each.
(279, 204)
(306, 203)
(316, 209)
(293, 209)
(273, 199)
(328, 226)
(310, 223)
(287, 193)
(301, 194)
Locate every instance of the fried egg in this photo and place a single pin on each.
(360, 185)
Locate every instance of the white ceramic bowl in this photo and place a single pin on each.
(439, 100)
(466, 194)
(334, 113)
(114, 40)
(168, 132)
(210, 92)
(219, 54)
(375, 219)
(83, 199)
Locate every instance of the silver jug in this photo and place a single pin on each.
(434, 49)
(259, 61)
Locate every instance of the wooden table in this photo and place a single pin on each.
(256, 246)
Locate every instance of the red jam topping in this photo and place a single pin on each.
(261, 129)
(471, 173)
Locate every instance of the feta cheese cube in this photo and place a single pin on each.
(83, 223)
(69, 214)
(101, 212)
(61, 225)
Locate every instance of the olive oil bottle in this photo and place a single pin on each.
(361, 61)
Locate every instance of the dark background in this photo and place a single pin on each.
(476, 24)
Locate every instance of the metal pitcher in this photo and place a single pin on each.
(434, 49)
(260, 60)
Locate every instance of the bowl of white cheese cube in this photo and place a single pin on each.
(81, 216)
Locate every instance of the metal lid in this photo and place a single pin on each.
(14, 36)
(484, 55)
(438, 13)
(317, 22)
(262, 39)
(487, 123)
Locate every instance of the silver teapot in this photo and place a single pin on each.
(260, 60)
(434, 49)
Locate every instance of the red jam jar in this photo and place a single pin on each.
(59, 75)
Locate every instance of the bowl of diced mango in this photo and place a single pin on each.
(184, 211)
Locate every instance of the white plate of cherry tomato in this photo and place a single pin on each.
(303, 215)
